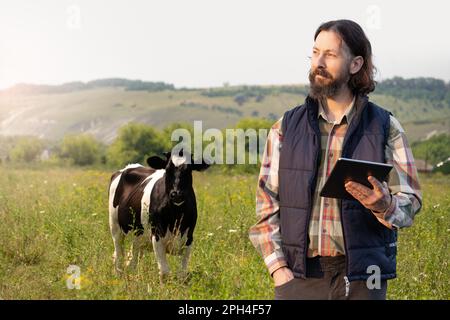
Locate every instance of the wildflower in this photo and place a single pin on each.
(232, 230)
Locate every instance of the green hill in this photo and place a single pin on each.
(100, 107)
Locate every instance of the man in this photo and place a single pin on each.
(324, 248)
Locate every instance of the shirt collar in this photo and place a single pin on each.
(348, 115)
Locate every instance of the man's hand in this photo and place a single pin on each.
(282, 275)
(377, 199)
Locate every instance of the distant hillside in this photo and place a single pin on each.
(100, 107)
(133, 85)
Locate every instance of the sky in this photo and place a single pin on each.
(207, 43)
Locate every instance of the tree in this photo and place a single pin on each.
(255, 131)
(183, 133)
(82, 149)
(169, 129)
(27, 149)
(254, 123)
(259, 98)
(240, 99)
(134, 143)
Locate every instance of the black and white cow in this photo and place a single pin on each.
(156, 204)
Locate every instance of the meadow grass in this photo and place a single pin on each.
(53, 218)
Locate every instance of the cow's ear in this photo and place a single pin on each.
(200, 166)
(156, 162)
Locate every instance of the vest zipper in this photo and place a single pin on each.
(350, 130)
(347, 282)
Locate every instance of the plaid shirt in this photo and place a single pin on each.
(325, 228)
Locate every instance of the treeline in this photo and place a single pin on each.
(136, 141)
(128, 85)
(426, 88)
(253, 91)
(242, 94)
(133, 144)
(431, 89)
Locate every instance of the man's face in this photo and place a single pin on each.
(330, 63)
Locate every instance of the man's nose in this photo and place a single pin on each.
(319, 62)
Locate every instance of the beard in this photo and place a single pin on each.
(327, 86)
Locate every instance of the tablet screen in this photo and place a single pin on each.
(352, 170)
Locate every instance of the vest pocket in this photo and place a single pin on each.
(294, 188)
(293, 223)
(391, 249)
(390, 237)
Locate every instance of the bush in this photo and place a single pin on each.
(443, 167)
(81, 149)
(26, 149)
(435, 149)
(134, 144)
(245, 124)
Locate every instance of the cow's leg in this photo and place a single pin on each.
(184, 261)
(118, 238)
(135, 251)
(116, 232)
(160, 252)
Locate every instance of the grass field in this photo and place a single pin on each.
(54, 218)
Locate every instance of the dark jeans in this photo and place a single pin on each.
(325, 281)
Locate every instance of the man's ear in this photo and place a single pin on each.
(156, 162)
(356, 64)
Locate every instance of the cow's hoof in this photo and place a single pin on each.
(118, 272)
(184, 277)
(131, 266)
(163, 277)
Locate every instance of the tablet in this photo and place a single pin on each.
(352, 170)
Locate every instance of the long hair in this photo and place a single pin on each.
(354, 37)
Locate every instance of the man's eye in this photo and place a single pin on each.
(331, 55)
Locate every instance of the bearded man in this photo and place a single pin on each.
(325, 248)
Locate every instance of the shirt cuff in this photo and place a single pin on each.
(391, 209)
(275, 262)
(386, 216)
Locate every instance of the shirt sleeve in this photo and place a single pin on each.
(403, 180)
(265, 234)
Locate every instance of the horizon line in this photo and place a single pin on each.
(224, 85)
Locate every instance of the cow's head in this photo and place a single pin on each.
(178, 176)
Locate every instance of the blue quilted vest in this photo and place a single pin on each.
(367, 241)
